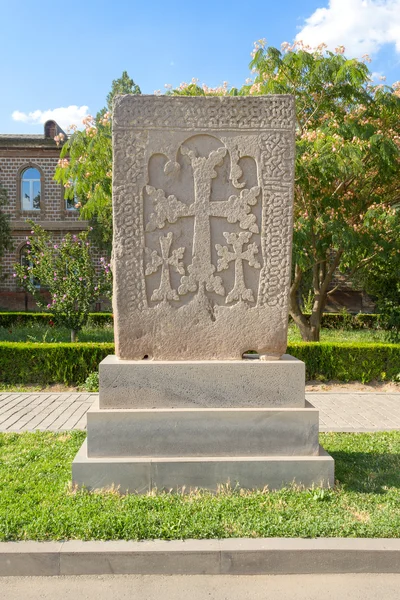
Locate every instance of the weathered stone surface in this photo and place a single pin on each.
(203, 432)
(202, 201)
(202, 384)
(135, 474)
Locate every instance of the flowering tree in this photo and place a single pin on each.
(85, 165)
(67, 271)
(347, 166)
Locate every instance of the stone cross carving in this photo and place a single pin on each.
(237, 241)
(203, 207)
(236, 209)
(165, 261)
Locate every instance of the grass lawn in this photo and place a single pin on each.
(37, 502)
(37, 332)
(342, 335)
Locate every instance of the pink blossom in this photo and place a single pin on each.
(14, 274)
(55, 247)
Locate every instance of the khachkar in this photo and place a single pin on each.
(203, 211)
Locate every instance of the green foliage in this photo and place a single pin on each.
(123, 85)
(347, 165)
(382, 280)
(37, 332)
(348, 361)
(45, 363)
(91, 382)
(67, 271)
(10, 319)
(85, 166)
(72, 363)
(37, 501)
(344, 320)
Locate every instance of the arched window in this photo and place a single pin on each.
(30, 189)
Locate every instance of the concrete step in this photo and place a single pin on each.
(202, 432)
(140, 474)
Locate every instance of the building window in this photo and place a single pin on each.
(30, 189)
(72, 203)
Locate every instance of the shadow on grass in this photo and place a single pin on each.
(367, 472)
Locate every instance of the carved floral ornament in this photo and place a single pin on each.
(200, 276)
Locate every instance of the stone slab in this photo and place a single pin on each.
(206, 384)
(203, 218)
(202, 432)
(136, 474)
(227, 556)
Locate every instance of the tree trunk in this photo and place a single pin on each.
(310, 327)
(73, 335)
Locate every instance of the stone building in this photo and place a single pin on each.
(27, 167)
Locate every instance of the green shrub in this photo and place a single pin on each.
(22, 362)
(348, 361)
(10, 319)
(73, 363)
(92, 382)
(345, 320)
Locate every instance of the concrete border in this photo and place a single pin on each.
(227, 556)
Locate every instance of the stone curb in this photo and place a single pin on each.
(194, 557)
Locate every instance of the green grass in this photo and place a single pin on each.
(342, 335)
(37, 501)
(36, 332)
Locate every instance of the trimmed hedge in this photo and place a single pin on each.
(329, 320)
(71, 363)
(24, 362)
(348, 361)
(9, 319)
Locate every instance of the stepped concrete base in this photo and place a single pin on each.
(202, 384)
(202, 432)
(202, 424)
(139, 474)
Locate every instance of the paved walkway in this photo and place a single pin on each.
(362, 411)
(197, 587)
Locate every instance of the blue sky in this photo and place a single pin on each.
(62, 58)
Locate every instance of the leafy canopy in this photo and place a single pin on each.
(85, 165)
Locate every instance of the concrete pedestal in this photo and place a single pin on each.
(192, 424)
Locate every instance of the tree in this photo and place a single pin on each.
(382, 281)
(67, 271)
(85, 166)
(5, 230)
(347, 166)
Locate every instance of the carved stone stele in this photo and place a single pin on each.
(203, 211)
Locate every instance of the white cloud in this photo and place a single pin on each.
(362, 26)
(64, 116)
